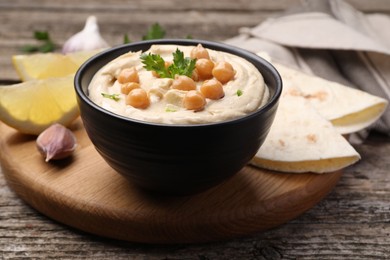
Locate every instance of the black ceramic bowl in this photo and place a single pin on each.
(161, 157)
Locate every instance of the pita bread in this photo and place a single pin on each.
(301, 140)
(348, 109)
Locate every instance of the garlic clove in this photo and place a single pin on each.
(86, 40)
(56, 142)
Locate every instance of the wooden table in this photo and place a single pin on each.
(352, 222)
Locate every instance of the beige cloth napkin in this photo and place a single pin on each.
(330, 39)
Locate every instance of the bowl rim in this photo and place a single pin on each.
(250, 56)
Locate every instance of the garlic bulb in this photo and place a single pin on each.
(86, 40)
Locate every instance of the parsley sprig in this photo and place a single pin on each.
(46, 44)
(111, 96)
(181, 65)
(155, 32)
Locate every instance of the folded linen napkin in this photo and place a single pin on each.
(330, 39)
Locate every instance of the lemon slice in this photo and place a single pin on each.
(32, 106)
(47, 65)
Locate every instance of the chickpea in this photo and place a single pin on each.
(223, 71)
(195, 75)
(138, 98)
(199, 52)
(204, 68)
(194, 100)
(128, 75)
(129, 86)
(212, 89)
(183, 82)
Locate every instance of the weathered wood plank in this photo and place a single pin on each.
(212, 20)
(61, 25)
(124, 6)
(353, 222)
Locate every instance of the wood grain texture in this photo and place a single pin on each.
(211, 20)
(352, 222)
(85, 193)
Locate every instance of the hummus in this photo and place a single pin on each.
(245, 93)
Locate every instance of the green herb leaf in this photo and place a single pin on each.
(41, 35)
(46, 46)
(154, 32)
(170, 109)
(239, 92)
(29, 48)
(181, 65)
(126, 39)
(111, 96)
(154, 62)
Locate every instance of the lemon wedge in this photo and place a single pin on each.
(32, 106)
(47, 65)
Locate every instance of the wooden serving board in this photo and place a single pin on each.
(85, 193)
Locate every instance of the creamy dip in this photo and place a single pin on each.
(245, 93)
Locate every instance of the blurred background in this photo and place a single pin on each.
(203, 19)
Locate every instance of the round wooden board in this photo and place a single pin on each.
(85, 193)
